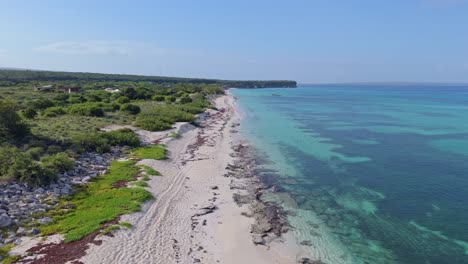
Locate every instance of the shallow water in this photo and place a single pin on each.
(376, 174)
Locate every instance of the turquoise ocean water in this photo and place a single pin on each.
(368, 174)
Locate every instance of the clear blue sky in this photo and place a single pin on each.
(308, 41)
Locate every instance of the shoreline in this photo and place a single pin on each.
(207, 207)
(195, 218)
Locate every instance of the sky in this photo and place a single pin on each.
(310, 41)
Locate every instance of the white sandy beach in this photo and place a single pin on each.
(168, 229)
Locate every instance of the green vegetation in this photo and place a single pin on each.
(118, 226)
(97, 203)
(6, 258)
(141, 184)
(102, 142)
(150, 171)
(130, 108)
(11, 124)
(15, 76)
(53, 111)
(174, 134)
(44, 113)
(156, 152)
(86, 109)
(21, 166)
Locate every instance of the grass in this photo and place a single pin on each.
(156, 152)
(118, 226)
(174, 134)
(6, 258)
(64, 127)
(145, 178)
(97, 203)
(150, 171)
(141, 184)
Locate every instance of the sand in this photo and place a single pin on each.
(193, 218)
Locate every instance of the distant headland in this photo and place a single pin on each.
(23, 75)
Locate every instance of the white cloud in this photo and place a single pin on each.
(122, 48)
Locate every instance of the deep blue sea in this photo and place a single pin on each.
(368, 174)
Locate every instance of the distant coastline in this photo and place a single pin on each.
(25, 75)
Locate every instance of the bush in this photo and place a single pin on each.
(37, 175)
(102, 142)
(36, 152)
(158, 98)
(122, 137)
(185, 100)
(29, 113)
(92, 142)
(41, 104)
(152, 123)
(86, 109)
(162, 117)
(130, 108)
(59, 162)
(17, 165)
(11, 124)
(170, 98)
(54, 111)
(123, 100)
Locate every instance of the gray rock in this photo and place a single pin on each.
(34, 231)
(21, 231)
(45, 221)
(40, 190)
(258, 239)
(5, 220)
(86, 179)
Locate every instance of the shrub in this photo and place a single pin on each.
(131, 109)
(185, 100)
(36, 152)
(102, 142)
(162, 117)
(158, 98)
(122, 137)
(76, 99)
(11, 124)
(92, 142)
(170, 98)
(54, 111)
(41, 103)
(86, 109)
(17, 165)
(123, 100)
(29, 113)
(59, 162)
(152, 123)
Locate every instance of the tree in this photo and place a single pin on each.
(11, 124)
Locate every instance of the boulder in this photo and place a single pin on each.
(5, 220)
(45, 221)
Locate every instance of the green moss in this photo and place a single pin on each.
(99, 202)
(156, 152)
(174, 134)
